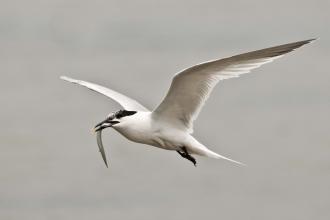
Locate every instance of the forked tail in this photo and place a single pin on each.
(201, 150)
(212, 154)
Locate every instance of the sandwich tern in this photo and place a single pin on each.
(170, 125)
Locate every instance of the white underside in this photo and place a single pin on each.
(142, 128)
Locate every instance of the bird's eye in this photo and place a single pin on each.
(119, 114)
(111, 116)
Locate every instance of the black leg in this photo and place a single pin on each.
(186, 155)
(181, 154)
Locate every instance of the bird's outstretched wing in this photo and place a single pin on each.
(126, 102)
(191, 87)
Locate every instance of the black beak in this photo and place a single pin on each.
(105, 124)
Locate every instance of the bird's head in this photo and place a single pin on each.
(113, 119)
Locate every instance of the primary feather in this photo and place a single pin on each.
(191, 87)
(124, 101)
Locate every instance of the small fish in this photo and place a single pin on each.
(100, 144)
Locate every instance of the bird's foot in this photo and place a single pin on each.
(186, 155)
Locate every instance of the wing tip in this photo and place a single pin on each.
(66, 78)
(287, 48)
(71, 80)
(312, 39)
(308, 41)
(301, 43)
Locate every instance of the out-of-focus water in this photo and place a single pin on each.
(276, 120)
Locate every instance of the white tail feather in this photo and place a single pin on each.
(200, 149)
(218, 156)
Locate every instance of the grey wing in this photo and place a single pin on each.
(126, 102)
(191, 87)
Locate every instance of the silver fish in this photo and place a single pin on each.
(101, 148)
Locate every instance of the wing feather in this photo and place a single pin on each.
(191, 87)
(126, 102)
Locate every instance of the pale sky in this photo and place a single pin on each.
(276, 119)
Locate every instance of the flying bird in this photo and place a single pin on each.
(170, 125)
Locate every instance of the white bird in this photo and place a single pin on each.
(170, 125)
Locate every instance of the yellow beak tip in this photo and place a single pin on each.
(93, 131)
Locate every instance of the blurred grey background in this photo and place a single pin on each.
(276, 120)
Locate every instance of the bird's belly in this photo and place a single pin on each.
(153, 138)
(137, 135)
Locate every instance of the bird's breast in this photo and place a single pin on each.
(137, 128)
(146, 131)
(136, 134)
